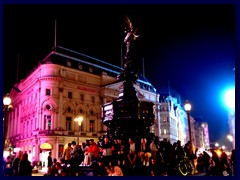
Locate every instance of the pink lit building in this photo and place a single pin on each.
(64, 86)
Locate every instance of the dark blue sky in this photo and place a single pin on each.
(190, 46)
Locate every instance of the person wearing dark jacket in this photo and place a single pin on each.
(8, 167)
(206, 162)
(16, 162)
(154, 168)
(106, 149)
(232, 162)
(25, 168)
(50, 163)
(100, 169)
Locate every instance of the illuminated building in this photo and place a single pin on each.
(65, 85)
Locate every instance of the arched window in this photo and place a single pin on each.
(48, 107)
(91, 126)
(91, 112)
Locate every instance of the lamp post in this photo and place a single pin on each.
(187, 108)
(6, 102)
(79, 120)
(203, 143)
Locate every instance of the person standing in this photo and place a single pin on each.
(154, 149)
(121, 152)
(106, 150)
(8, 167)
(92, 151)
(50, 163)
(74, 158)
(192, 156)
(132, 152)
(206, 162)
(67, 154)
(154, 169)
(16, 162)
(25, 168)
(232, 162)
(145, 152)
(100, 169)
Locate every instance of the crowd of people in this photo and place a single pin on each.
(19, 166)
(135, 157)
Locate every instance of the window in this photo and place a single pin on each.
(164, 131)
(91, 126)
(91, 112)
(80, 66)
(69, 109)
(82, 97)
(70, 95)
(24, 127)
(68, 123)
(90, 69)
(69, 63)
(81, 127)
(47, 122)
(48, 107)
(27, 127)
(93, 99)
(164, 119)
(31, 126)
(48, 92)
(44, 122)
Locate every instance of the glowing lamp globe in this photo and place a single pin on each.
(230, 98)
(187, 106)
(7, 101)
(79, 120)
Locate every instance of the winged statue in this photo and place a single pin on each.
(131, 34)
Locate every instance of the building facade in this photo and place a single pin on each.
(64, 86)
(231, 124)
(174, 123)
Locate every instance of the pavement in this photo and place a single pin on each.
(39, 172)
(44, 171)
(200, 174)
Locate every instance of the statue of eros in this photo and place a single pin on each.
(131, 34)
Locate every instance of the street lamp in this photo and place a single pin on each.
(230, 138)
(6, 102)
(79, 120)
(203, 143)
(187, 108)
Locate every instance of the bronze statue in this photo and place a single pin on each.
(131, 34)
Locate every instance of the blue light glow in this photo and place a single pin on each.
(230, 98)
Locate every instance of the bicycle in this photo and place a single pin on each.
(185, 166)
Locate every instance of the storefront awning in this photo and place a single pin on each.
(46, 146)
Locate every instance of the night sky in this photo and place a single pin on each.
(189, 47)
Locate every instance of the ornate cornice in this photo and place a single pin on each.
(51, 78)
